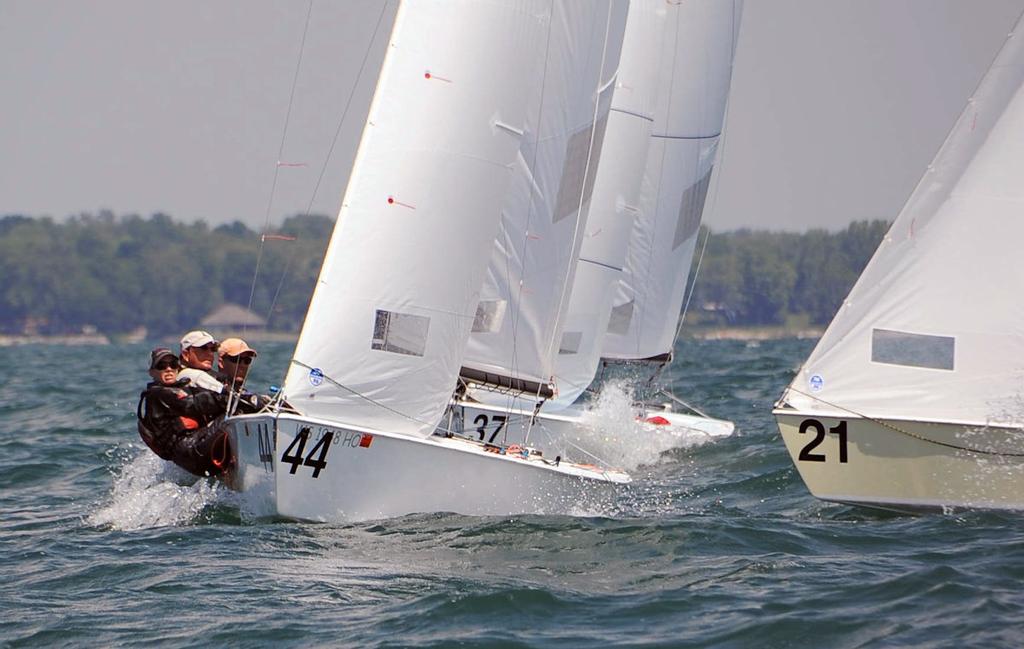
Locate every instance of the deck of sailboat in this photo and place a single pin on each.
(309, 469)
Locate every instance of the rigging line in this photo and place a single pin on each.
(514, 362)
(907, 432)
(601, 461)
(330, 152)
(280, 153)
(689, 296)
(684, 403)
(580, 221)
(366, 398)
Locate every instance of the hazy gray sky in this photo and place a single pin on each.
(180, 107)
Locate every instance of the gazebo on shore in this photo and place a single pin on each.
(230, 318)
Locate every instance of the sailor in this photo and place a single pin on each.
(181, 423)
(235, 358)
(198, 353)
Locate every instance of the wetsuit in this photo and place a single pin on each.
(181, 423)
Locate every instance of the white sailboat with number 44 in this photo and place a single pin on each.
(376, 363)
(914, 397)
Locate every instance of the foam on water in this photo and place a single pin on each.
(150, 492)
(613, 432)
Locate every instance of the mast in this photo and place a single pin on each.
(387, 325)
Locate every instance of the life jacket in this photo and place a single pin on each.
(148, 435)
(204, 451)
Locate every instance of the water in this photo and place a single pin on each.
(718, 543)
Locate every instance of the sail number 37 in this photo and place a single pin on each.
(807, 454)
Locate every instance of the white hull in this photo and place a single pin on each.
(576, 433)
(350, 474)
(905, 465)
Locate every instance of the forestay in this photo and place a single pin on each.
(614, 204)
(517, 332)
(699, 43)
(386, 329)
(934, 328)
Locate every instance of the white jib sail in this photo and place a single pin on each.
(616, 197)
(386, 329)
(933, 330)
(688, 121)
(517, 332)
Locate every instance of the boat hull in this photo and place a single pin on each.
(305, 469)
(905, 466)
(569, 432)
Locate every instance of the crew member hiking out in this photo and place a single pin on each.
(198, 353)
(181, 423)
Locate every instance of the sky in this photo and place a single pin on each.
(187, 107)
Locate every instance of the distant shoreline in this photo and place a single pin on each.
(698, 333)
(752, 333)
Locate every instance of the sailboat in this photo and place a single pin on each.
(372, 375)
(528, 368)
(912, 399)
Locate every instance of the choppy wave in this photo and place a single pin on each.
(149, 492)
(716, 543)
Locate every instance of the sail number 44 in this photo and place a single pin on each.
(317, 456)
(807, 453)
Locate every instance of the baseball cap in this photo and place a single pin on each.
(158, 355)
(235, 347)
(197, 339)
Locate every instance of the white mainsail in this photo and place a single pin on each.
(386, 329)
(933, 331)
(517, 332)
(616, 196)
(699, 42)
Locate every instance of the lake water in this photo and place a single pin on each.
(717, 543)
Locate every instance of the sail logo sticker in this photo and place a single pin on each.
(316, 376)
(816, 383)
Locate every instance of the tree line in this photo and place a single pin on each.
(120, 273)
(750, 277)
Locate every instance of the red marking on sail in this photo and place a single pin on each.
(429, 75)
(291, 164)
(532, 237)
(366, 440)
(392, 201)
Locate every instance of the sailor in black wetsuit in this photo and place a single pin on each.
(179, 422)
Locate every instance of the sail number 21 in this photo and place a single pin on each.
(806, 453)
